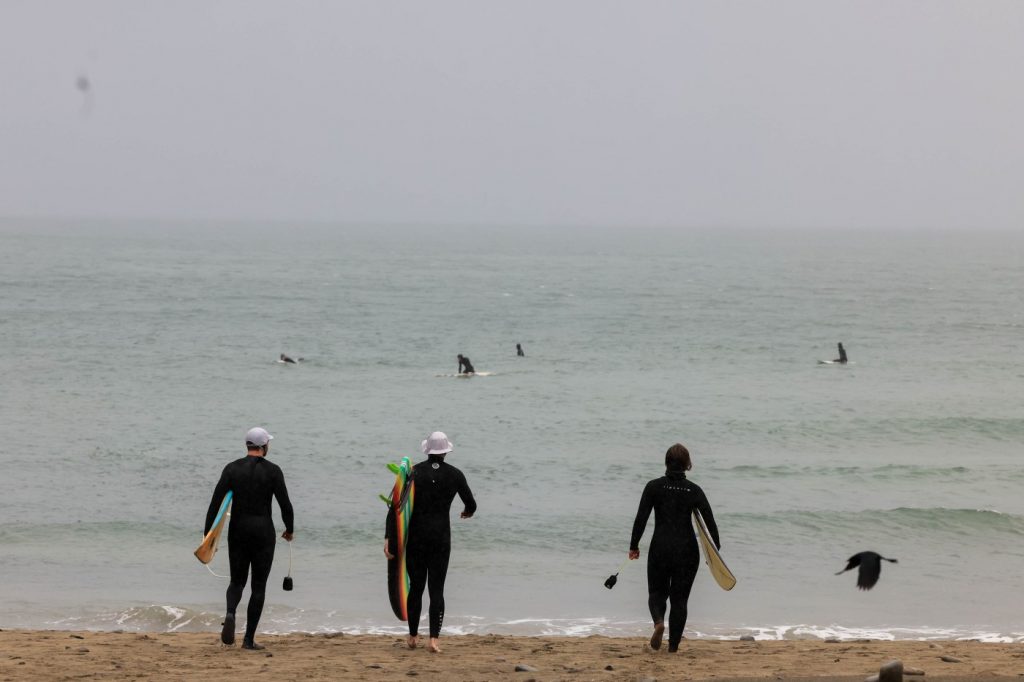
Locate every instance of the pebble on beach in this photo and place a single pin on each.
(891, 671)
(523, 668)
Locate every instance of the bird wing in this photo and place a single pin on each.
(852, 562)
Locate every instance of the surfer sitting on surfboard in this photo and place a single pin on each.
(253, 480)
(430, 535)
(465, 366)
(842, 355)
(673, 556)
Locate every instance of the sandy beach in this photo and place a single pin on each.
(62, 655)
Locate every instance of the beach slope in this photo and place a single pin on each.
(56, 655)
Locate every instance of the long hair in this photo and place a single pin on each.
(677, 458)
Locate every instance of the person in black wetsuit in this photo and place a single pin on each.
(465, 366)
(674, 558)
(842, 355)
(253, 480)
(430, 535)
(519, 351)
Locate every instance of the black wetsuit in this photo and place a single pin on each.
(519, 351)
(464, 362)
(251, 535)
(430, 536)
(673, 557)
(842, 355)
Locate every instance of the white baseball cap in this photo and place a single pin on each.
(437, 444)
(258, 436)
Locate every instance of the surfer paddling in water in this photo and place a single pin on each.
(253, 480)
(673, 555)
(430, 535)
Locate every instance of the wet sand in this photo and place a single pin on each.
(61, 655)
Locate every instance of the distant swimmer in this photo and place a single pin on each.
(285, 358)
(842, 355)
(465, 366)
(519, 351)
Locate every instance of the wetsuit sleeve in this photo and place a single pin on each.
(642, 514)
(223, 486)
(466, 495)
(709, 519)
(281, 493)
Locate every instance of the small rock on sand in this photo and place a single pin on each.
(907, 670)
(747, 638)
(523, 668)
(891, 672)
(950, 659)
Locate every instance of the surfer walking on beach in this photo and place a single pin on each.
(430, 536)
(253, 481)
(673, 556)
(465, 366)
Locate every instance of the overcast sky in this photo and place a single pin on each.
(707, 113)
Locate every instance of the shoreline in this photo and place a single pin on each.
(65, 654)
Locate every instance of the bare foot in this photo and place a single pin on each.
(659, 631)
(434, 647)
(412, 641)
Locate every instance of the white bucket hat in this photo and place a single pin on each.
(258, 436)
(437, 444)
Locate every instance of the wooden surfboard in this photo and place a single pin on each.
(208, 547)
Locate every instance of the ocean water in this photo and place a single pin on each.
(136, 356)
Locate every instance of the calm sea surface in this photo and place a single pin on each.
(135, 357)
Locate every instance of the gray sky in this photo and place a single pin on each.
(771, 113)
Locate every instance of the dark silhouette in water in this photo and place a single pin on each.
(465, 366)
(285, 358)
(870, 568)
(519, 351)
(842, 354)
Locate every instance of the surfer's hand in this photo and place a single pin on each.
(634, 554)
(387, 553)
(464, 515)
(287, 536)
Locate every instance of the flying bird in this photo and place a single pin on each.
(870, 568)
